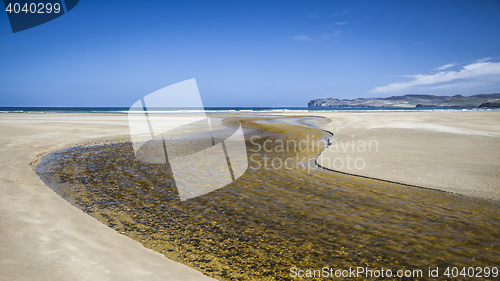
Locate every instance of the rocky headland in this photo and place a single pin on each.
(413, 101)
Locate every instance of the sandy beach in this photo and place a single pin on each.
(451, 151)
(43, 235)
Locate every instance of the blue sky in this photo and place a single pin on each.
(252, 53)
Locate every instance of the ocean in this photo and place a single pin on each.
(218, 109)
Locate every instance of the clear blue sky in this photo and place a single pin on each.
(252, 53)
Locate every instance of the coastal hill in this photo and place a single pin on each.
(413, 101)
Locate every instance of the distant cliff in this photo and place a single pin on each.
(412, 101)
(490, 104)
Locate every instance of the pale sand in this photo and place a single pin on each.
(43, 237)
(452, 151)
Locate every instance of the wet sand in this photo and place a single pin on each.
(42, 235)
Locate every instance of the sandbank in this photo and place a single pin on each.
(42, 236)
(450, 151)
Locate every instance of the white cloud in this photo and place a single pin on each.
(484, 59)
(302, 38)
(343, 13)
(341, 23)
(317, 37)
(480, 72)
(443, 67)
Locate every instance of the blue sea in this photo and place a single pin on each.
(214, 109)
